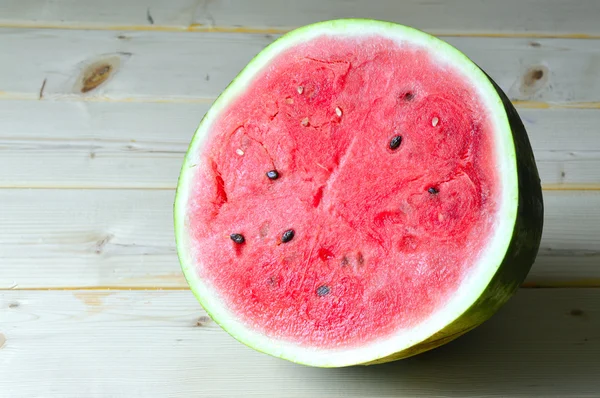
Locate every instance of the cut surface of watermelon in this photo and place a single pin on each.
(351, 194)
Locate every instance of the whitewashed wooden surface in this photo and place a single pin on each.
(92, 301)
(545, 342)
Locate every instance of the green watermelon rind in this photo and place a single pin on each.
(515, 243)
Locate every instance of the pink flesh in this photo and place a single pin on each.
(365, 224)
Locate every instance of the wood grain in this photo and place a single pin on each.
(124, 238)
(463, 17)
(163, 66)
(90, 144)
(544, 342)
(98, 14)
(101, 98)
(75, 144)
(88, 237)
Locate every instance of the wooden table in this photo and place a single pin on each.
(92, 300)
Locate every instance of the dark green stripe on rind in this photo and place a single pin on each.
(521, 252)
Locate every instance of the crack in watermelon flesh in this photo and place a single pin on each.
(382, 237)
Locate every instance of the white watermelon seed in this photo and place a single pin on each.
(434, 121)
(304, 122)
(239, 152)
(300, 89)
(338, 111)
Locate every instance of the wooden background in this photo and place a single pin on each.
(92, 300)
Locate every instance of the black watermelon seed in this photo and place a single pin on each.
(273, 174)
(433, 190)
(287, 236)
(323, 290)
(395, 142)
(409, 96)
(237, 238)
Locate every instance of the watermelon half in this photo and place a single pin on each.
(361, 192)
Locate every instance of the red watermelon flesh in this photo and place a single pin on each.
(382, 237)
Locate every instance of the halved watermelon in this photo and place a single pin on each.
(360, 193)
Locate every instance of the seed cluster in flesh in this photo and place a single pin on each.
(359, 174)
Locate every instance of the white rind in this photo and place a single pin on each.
(473, 284)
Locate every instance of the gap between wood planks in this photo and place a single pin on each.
(196, 27)
(545, 187)
(161, 100)
(584, 284)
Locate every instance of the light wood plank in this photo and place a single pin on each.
(529, 17)
(141, 145)
(510, 17)
(124, 238)
(94, 144)
(153, 66)
(159, 66)
(544, 342)
(92, 14)
(88, 237)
